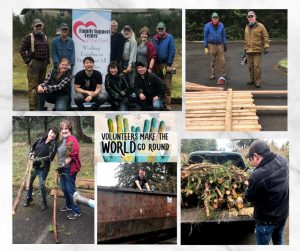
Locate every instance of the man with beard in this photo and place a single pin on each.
(256, 41)
(36, 55)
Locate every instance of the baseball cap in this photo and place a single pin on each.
(214, 14)
(251, 13)
(127, 27)
(64, 26)
(160, 25)
(258, 146)
(37, 22)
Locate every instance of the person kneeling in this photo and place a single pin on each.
(118, 87)
(149, 88)
(55, 87)
(88, 85)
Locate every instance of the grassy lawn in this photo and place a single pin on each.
(20, 78)
(177, 78)
(20, 153)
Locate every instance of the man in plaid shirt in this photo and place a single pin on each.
(36, 55)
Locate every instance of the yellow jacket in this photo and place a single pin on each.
(256, 38)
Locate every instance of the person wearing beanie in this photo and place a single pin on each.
(268, 190)
(256, 41)
(36, 55)
(215, 44)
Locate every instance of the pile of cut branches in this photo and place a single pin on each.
(213, 186)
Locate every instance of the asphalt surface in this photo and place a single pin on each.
(273, 77)
(233, 233)
(31, 226)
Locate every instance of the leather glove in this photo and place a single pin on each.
(225, 47)
(265, 51)
(206, 51)
(60, 169)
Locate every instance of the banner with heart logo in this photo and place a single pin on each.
(91, 35)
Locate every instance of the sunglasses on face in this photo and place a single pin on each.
(160, 29)
(38, 26)
(250, 16)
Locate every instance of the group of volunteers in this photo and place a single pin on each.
(139, 74)
(256, 42)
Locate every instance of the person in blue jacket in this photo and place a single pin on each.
(63, 47)
(215, 44)
(165, 53)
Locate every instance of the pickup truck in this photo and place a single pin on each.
(227, 226)
(196, 214)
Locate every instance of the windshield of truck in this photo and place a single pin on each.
(218, 159)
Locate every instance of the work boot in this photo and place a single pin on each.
(27, 202)
(212, 77)
(250, 82)
(44, 206)
(257, 85)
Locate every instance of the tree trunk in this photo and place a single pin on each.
(76, 123)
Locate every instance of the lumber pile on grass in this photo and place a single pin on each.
(213, 187)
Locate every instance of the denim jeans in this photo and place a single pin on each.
(42, 174)
(99, 100)
(266, 232)
(67, 183)
(61, 102)
(156, 105)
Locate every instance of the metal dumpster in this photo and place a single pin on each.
(126, 212)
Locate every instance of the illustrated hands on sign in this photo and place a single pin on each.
(138, 155)
(122, 127)
(156, 155)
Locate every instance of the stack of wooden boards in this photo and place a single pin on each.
(85, 186)
(213, 109)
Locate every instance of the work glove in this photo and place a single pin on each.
(37, 162)
(60, 169)
(206, 51)
(265, 51)
(244, 54)
(225, 47)
(30, 155)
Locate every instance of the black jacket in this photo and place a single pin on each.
(117, 87)
(44, 152)
(269, 190)
(117, 47)
(150, 86)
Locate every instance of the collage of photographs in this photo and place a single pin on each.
(113, 112)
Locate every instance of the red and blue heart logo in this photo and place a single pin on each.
(77, 25)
